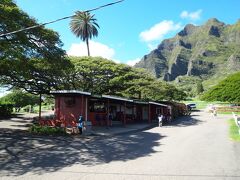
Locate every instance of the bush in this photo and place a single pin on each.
(46, 130)
(6, 110)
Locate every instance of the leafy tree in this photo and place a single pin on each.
(32, 60)
(228, 90)
(91, 74)
(102, 76)
(84, 25)
(5, 109)
(188, 84)
(20, 99)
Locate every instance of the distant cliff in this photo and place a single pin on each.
(201, 51)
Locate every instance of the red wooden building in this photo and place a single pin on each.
(104, 110)
(69, 105)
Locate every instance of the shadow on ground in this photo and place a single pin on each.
(21, 153)
(18, 118)
(185, 121)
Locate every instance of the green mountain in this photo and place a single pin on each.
(197, 53)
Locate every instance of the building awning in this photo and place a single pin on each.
(70, 92)
(158, 104)
(116, 98)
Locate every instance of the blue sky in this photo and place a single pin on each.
(131, 29)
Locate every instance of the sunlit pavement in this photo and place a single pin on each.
(195, 147)
(20, 121)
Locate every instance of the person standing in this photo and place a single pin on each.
(110, 118)
(214, 111)
(160, 120)
(80, 124)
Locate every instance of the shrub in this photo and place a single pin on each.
(6, 110)
(46, 130)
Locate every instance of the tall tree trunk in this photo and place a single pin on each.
(88, 47)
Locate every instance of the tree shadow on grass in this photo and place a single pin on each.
(21, 153)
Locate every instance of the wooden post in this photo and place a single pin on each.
(86, 109)
(108, 113)
(133, 112)
(124, 115)
(149, 113)
(120, 114)
(58, 99)
(82, 106)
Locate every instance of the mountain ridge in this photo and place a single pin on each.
(199, 51)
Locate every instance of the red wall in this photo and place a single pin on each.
(153, 111)
(67, 113)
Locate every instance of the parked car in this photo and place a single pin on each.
(192, 106)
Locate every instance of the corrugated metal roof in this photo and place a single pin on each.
(117, 98)
(140, 102)
(159, 104)
(105, 96)
(70, 92)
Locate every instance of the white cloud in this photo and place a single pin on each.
(96, 49)
(133, 62)
(191, 15)
(158, 31)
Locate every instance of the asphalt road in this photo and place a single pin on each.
(195, 147)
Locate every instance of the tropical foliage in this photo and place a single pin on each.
(33, 59)
(46, 130)
(102, 76)
(199, 89)
(5, 110)
(84, 25)
(227, 90)
(19, 99)
(206, 53)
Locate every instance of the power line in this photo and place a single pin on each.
(50, 22)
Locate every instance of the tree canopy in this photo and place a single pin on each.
(102, 76)
(19, 99)
(32, 59)
(228, 90)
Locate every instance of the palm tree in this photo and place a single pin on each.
(84, 25)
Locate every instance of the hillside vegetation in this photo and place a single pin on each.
(227, 90)
(203, 54)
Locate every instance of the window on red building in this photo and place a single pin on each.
(97, 106)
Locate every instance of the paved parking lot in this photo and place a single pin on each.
(195, 147)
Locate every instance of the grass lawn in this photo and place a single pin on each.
(233, 130)
(237, 113)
